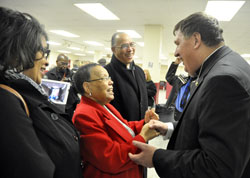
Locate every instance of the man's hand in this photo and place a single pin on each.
(159, 126)
(177, 61)
(145, 157)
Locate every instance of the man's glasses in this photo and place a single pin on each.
(127, 45)
(104, 78)
(63, 63)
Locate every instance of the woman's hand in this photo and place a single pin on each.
(148, 133)
(151, 115)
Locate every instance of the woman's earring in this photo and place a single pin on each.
(90, 94)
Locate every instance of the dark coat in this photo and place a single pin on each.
(54, 74)
(130, 90)
(176, 83)
(44, 145)
(151, 89)
(212, 138)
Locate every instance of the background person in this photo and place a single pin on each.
(61, 72)
(106, 138)
(43, 144)
(180, 92)
(129, 86)
(151, 89)
(212, 137)
(102, 62)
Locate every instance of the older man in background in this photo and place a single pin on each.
(130, 90)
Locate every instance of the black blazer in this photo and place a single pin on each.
(176, 83)
(44, 145)
(130, 90)
(212, 138)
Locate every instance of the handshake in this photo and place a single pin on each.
(153, 127)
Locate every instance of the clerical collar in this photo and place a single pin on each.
(197, 79)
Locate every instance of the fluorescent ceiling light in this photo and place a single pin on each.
(94, 43)
(63, 51)
(64, 33)
(80, 54)
(140, 43)
(74, 48)
(97, 10)
(163, 56)
(223, 10)
(245, 55)
(91, 52)
(131, 33)
(53, 43)
(108, 49)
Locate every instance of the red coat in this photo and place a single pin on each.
(105, 143)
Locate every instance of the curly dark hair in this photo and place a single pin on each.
(207, 26)
(21, 38)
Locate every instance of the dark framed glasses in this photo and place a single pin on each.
(45, 53)
(63, 63)
(104, 78)
(127, 45)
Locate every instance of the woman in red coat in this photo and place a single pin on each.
(106, 138)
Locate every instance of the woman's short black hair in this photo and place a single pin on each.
(82, 75)
(20, 40)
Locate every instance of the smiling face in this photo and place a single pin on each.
(40, 62)
(125, 55)
(62, 62)
(186, 50)
(101, 90)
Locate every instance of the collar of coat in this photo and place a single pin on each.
(118, 62)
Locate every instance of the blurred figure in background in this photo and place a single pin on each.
(102, 62)
(61, 72)
(151, 89)
(180, 92)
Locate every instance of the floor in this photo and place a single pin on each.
(158, 141)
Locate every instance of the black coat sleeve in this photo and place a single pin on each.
(22, 155)
(151, 88)
(170, 76)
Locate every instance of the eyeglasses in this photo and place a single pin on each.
(45, 53)
(127, 45)
(63, 63)
(104, 78)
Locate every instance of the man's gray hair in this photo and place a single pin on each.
(114, 38)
